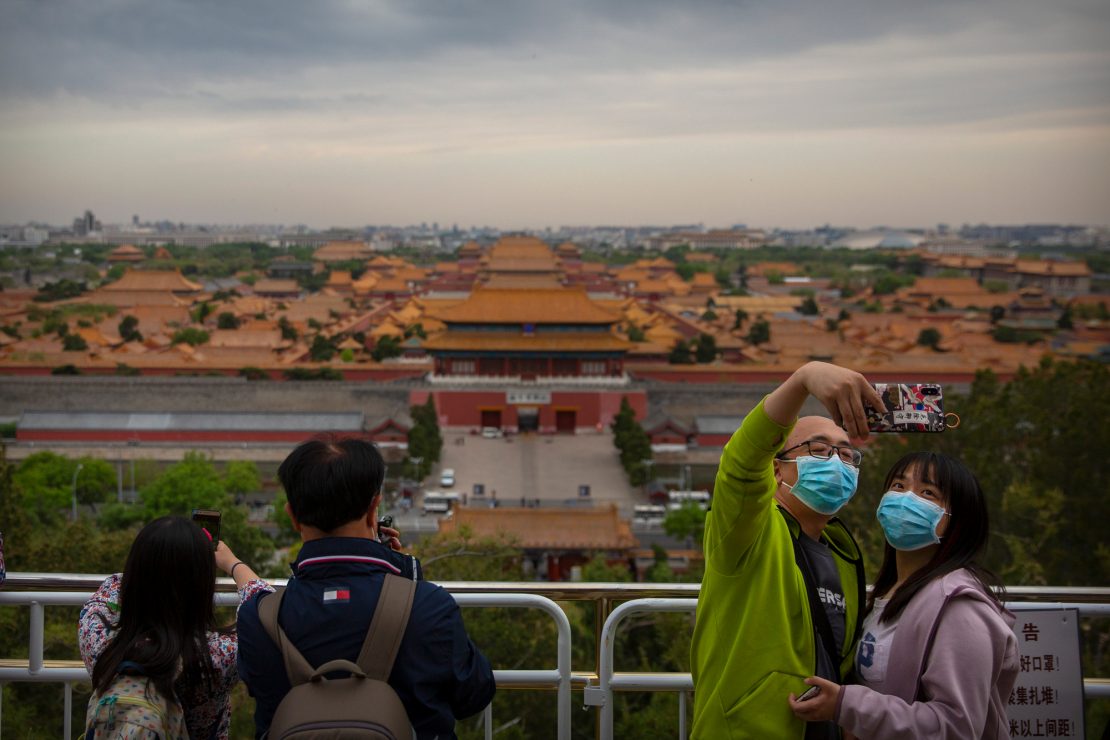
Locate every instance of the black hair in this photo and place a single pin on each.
(963, 541)
(165, 608)
(330, 481)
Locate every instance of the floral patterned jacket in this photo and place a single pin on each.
(207, 712)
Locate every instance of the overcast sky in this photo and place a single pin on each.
(521, 114)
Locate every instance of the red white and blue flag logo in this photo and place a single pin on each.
(337, 596)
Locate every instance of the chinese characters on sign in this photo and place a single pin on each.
(528, 397)
(1047, 699)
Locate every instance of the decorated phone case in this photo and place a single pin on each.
(910, 407)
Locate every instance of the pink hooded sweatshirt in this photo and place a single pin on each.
(953, 662)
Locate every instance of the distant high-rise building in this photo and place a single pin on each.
(86, 224)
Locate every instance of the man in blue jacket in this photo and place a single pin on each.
(333, 487)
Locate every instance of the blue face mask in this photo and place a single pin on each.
(909, 521)
(824, 485)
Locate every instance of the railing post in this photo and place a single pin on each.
(67, 720)
(34, 649)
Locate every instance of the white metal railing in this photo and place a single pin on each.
(37, 591)
(38, 670)
(601, 694)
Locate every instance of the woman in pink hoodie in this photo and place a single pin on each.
(938, 657)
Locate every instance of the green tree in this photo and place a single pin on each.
(424, 438)
(688, 521)
(680, 353)
(759, 333)
(65, 370)
(288, 331)
(740, 317)
(633, 443)
(190, 335)
(74, 343)
(809, 307)
(635, 333)
(705, 350)
(929, 337)
(202, 312)
(241, 476)
(322, 349)
(46, 482)
(385, 348)
(227, 320)
(129, 329)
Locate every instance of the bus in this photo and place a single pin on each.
(440, 502)
(676, 499)
(649, 514)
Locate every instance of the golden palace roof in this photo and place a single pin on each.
(533, 306)
(489, 341)
(559, 529)
(153, 280)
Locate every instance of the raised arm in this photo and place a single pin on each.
(843, 392)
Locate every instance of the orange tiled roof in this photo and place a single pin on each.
(126, 253)
(276, 286)
(1052, 267)
(341, 251)
(535, 306)
(516, 342)
(563, 529)
(153, 280)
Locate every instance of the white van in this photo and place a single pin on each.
(440, 502)
(447, 477)
(676, 499)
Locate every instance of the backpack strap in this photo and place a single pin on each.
(391, 617)
(297, 668)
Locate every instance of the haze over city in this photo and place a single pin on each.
(527, 115)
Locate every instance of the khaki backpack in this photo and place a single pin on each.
(362, 705)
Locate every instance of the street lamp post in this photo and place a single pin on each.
(74, 486)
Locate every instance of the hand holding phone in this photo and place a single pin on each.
(385, 521)
(910, 407)
(209, 521)
(810, 693)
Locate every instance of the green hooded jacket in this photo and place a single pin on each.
(754, 640)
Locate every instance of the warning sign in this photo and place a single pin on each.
(1047, 700)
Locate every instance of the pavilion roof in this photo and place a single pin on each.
(490, 305)
(564, 529)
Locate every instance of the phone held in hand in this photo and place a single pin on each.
(911, 407)
(385, 521)
(810, 693)
(209, 521)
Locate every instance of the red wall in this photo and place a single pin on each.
(462, 409)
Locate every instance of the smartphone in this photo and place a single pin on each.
(809, 693)
(209, 521)
(385, 521)
(909, 407)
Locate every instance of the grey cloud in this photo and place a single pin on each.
(128, 47)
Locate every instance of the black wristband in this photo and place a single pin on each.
(237, 564)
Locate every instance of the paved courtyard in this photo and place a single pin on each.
(545, 467)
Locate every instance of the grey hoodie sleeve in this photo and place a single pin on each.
(967, 680)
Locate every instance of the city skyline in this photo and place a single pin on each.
(533, 116)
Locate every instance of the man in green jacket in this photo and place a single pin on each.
(782, 594)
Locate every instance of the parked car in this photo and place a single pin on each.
(491, 432)
(447, 477)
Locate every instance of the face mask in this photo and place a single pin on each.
(909, 521)
(824, 485)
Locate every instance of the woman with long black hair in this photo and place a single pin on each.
(938, 657)
(159, 615)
